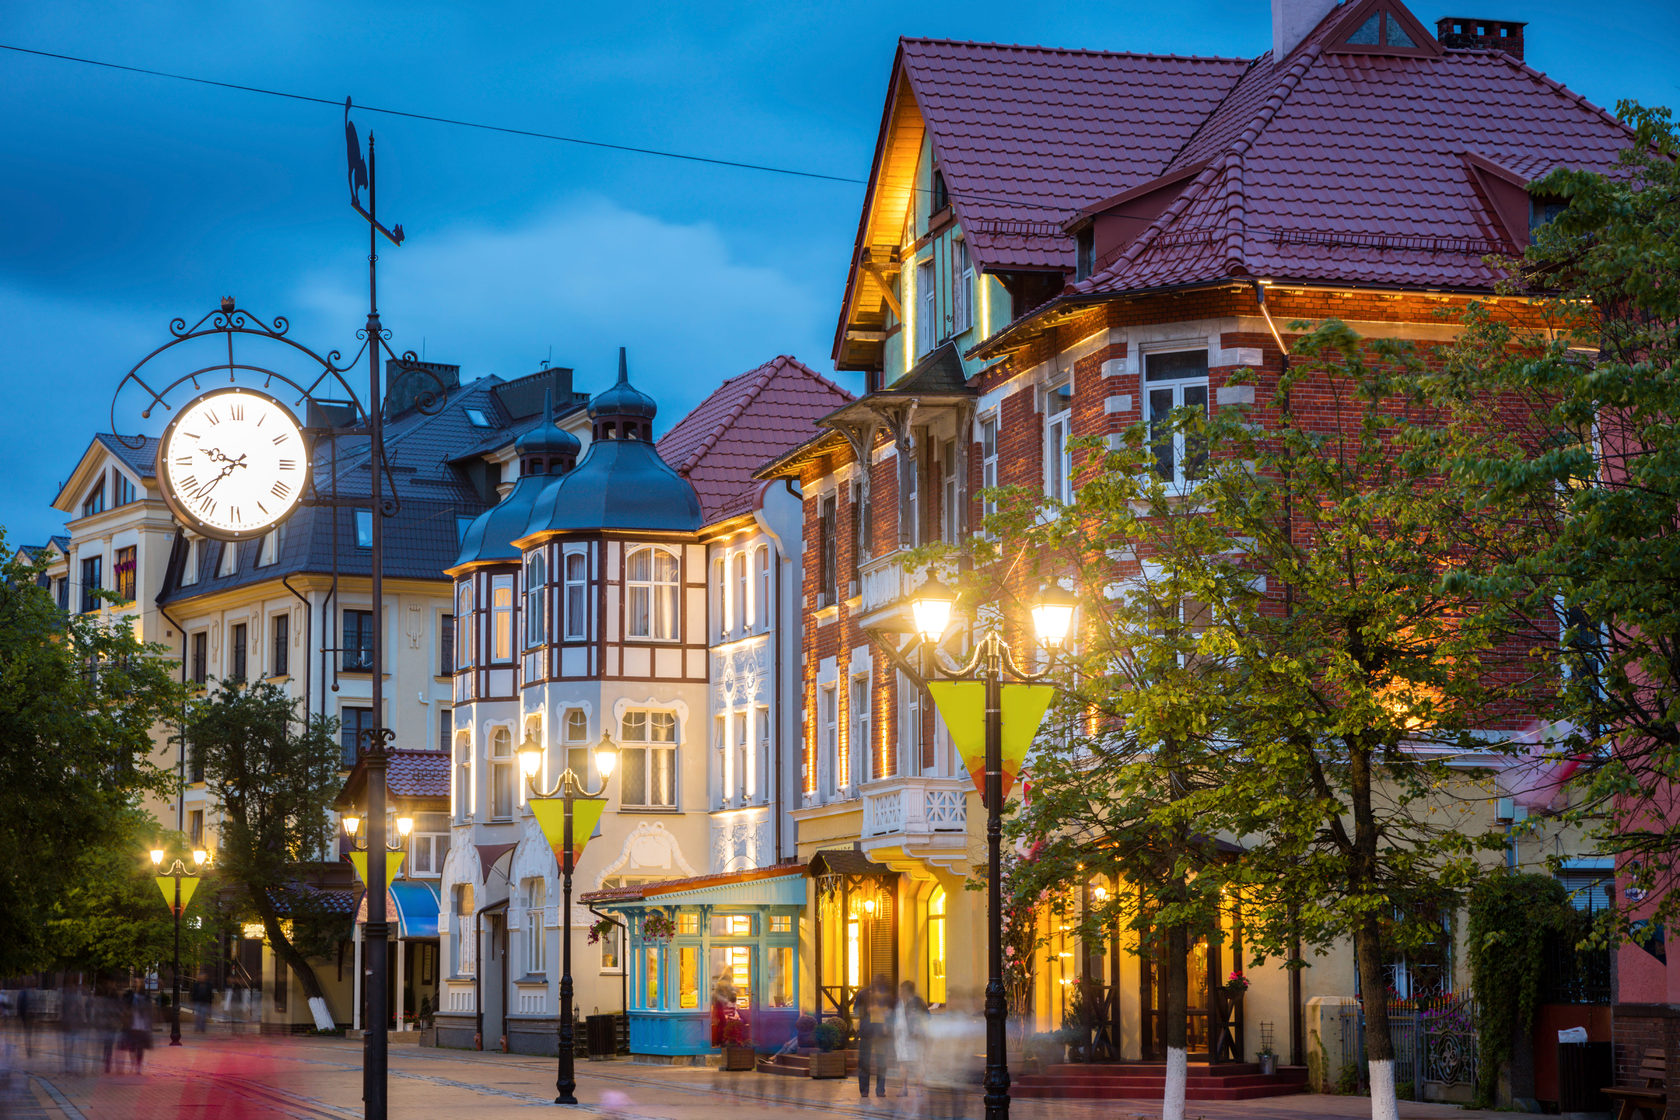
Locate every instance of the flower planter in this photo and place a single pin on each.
(1268, 1065)
(739, 1058)
(828, 1064)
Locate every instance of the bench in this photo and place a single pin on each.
(1648, 1099)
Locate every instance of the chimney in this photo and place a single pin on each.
(1481, 34)
(1293, 20)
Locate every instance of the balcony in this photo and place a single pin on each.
(885, 583)
(926, 817)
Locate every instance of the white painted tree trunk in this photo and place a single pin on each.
(1384, 1106)
(1178, 1072)
(323, 1017)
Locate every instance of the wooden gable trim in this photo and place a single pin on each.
(1425, 44)
(1506, 196)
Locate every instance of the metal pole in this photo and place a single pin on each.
(997, 1060)
(565, 1080)
(175, 981)
(374, 1041)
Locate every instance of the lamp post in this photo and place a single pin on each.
(992, 664)
(568, 788)
(177, 871)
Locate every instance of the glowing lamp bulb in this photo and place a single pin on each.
(931, 609)
(351, 823)
(157, 857)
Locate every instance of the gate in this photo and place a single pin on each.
(1434, 1044)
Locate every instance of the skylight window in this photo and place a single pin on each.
(477, 417)
(364, 528)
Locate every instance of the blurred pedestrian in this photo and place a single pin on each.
(872, 1011)
(201, 994)
(108, 1021)
(909, 1034)
(137, 1033)
(26, 1019)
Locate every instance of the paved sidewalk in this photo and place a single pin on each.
(221, 1078)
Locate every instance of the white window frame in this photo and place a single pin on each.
(574, 737)
(501, 618)
(719, 595)
(760, 750)
(1058, 434)
(462, 793)
(189, 569)
(661, 612)
(909, 727)
(660, 756)
(962, 286)
(229, 563)
(739, 753)
(536, 943)
(268, 553)
(576, 591)
(1177, 387)
(466, 934)
(465, 628)
(927, 307)
(536, 600)
(828, 703)
(761, 601)
(720, 749)
(503, 767)
(741, 608)
(434, 844)
(950, 493)
(859, 738)
(989, 431)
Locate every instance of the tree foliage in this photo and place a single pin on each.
(1585, 469)
(79, 698)
(273, 778)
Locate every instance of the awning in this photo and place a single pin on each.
(411, 905)
(774, 886)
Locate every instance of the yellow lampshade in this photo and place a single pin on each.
(1053, 615)
(931, 607)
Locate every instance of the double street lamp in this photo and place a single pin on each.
(179, 873)
(359, 839)
(568, 789)
(993, 664)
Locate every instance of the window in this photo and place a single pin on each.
(1085, 252)
(762, 600)
(195, 827)
(742, 755)
(446, 644)
(743, 594)
(827, 722)
(476, 417)
(91, 581)
(124, 570)
(1589, 887)
(428, 845)
(962, 287)
(950, 493)
(269, 551)
(189, 566)
(536, 959)
(364, 528)
(941, 195)
(761, 749)
(862, 538)
(122, 489)
(580, 753)
(988, 464)
(912, 752)
(228, 565)
(463, 626)
(577, 596)
(61, 587)
(501, 774)
(828, 565)
(1176, 380)
(936, 946)
(720, 749)
(280, 631)
(501, 618)
(445, 724)
(358, 641)
(1543, 210)
(464, 938)
(536, 592)
(238, 650)
(651, 577)
(95, 501)
(352, 724)
(648, 743)
(200, 657)
(860, 742)
(463, 791)
(779, 962)
(719, 595)
(926, 307)
(1058, 456)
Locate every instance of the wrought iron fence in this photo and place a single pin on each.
(1434, 1042)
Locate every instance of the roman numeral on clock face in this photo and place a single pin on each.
(282, 438)
(281, 490)
(236, 412)
(287, 464)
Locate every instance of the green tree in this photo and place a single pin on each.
(1586, 471)
(1308, 686)
(273, 777)
(79, 698)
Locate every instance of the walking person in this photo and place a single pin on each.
(872, 1011)
(909, 1033)
(26, 1019)
(137, 1035)
(201, 1001)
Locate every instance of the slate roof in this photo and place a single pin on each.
(1027, 136)
(749, 420)
(142, 459)
(408, 774)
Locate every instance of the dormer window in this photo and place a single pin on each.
(1381, 27)
(1544, 210)
(1085, 252)
(477, 417)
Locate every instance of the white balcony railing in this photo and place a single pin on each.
(885, 582)
(916, 808)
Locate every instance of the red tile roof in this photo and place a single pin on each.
(749, 420)
(418, 774)
(1028, 136)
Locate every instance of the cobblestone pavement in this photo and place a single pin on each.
(216, 1077)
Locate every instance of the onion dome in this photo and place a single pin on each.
(621, 482)
(544, 452)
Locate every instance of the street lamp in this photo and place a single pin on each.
(359, 840)
(179, 873)
(568, 788)
(991, 664)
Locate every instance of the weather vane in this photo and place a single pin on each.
(361, 178)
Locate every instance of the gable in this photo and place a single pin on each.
(1381, 27)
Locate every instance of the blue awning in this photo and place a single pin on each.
(413, 906)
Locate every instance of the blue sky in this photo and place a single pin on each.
(127, 200)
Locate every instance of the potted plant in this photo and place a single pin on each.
(658, 926)
(1235, 985)
(830, 1060)
(738, 1053)
(600, 929)
(805, 1032)
(1268, 1062)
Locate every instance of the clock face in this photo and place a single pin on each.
(233, 464)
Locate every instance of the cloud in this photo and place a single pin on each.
(584, 277)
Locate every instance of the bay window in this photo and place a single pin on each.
(651, 582)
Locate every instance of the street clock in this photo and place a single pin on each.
(233, 464)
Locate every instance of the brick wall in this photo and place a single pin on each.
(1636, 1028)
